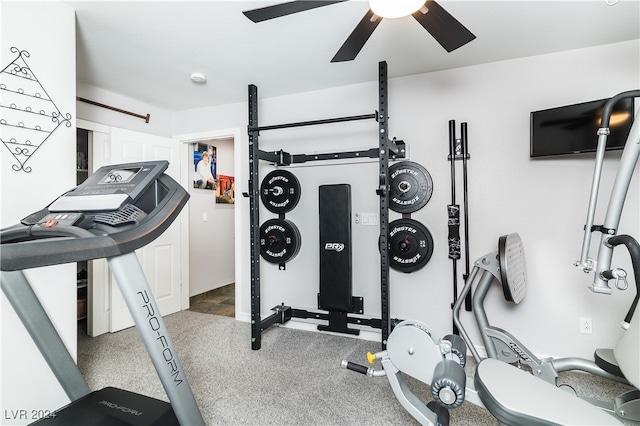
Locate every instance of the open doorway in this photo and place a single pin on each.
(211, 185)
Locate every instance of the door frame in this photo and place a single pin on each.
(185, 155)
(98, 316)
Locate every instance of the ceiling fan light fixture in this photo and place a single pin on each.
(395, 8)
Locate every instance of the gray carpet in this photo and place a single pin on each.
(295, 379)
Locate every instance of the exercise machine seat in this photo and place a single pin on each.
(516, 397)
(627, 351)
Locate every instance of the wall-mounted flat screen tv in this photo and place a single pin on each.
(572, 129)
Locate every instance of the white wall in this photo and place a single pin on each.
(544, 200)
(211, 242)
(27, 383)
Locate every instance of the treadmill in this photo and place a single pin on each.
(117, 210)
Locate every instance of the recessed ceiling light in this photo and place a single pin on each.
(198, 77)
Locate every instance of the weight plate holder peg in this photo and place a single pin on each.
(411, 187)
(410, 245)
(280, 191)
(280, 241)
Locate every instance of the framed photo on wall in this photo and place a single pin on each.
(204, 166)
(225, 191)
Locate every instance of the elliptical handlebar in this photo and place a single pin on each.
(634, 251)
(608, 106)
(618, 195)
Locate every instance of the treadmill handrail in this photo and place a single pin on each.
(31, 233)
(43, 252)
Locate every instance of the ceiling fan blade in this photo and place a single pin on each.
(446, 29)
(284, 9)
(358, 37)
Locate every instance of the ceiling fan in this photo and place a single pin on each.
(446, 29)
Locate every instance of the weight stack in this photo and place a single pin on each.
(336, 278)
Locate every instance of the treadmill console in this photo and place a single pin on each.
(110, 188)
(118, 209)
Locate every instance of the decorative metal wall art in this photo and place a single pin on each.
(29, 115)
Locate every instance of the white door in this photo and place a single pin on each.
(160, 259)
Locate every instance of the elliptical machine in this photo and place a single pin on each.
(117, 210)
(413, 349)
(512, 395)
(507, 266)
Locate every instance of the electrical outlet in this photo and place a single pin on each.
(586, 325)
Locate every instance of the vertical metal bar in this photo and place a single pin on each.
(452, 158)
(454, 218)
(254, 219)
(43, 333)
(585, 263)
(384, 200)
(135, 290)
(465, 191)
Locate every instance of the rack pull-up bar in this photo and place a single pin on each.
(314, 122)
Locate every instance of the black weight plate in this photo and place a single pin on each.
(279, 240)
(410, 245)
(280, 191)
(411, 187)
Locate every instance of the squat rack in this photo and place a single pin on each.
(386, 149)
